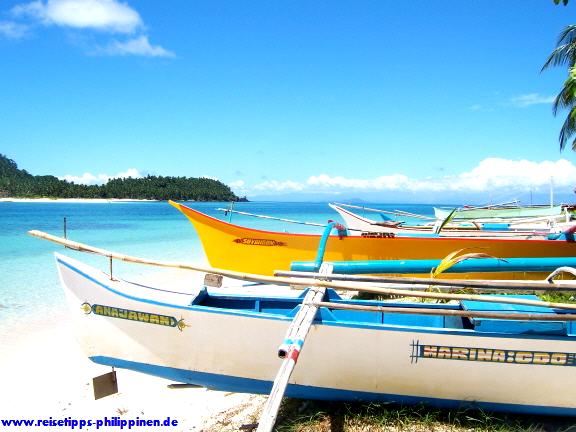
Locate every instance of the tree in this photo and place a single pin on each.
(15, 182)
(565, 54)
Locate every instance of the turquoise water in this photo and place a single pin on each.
(29, 287)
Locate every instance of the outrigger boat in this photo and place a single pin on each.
(527, 229)
(559, 213)
(249, 250)
(504, 353)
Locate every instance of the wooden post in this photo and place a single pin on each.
(65, 233)
(290, 350)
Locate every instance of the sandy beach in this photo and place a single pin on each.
(45, 375)
(73, 200)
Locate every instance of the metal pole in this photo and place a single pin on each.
(231, 211)
(551, 192)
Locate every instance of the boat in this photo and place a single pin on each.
(241, 249)
(444, 355)
(358, 224)
(556, 213)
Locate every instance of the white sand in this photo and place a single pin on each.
(44, 373)
(72, 200)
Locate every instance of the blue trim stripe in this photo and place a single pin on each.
(121, 294)
(247, 385)
(346, 324)
(539, 264)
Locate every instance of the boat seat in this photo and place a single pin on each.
(513, 326)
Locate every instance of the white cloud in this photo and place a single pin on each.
(91, 179)
(13, 30)
(280, 186)
(497, 173)
(490, 175)
(530, 99)
(239, 187)
(136, 46)
(391, 182)
(103, 15)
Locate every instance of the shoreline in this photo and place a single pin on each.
(75, 200)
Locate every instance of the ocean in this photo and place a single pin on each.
(29, 286)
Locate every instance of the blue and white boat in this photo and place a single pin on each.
(228, 341)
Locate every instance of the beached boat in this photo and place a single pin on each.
(358, 224)
(449, 356)
(262, 252)
(556, 213)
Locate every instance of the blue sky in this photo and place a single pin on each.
(383, 100)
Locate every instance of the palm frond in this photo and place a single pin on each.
(453, 258)
(445, 221)
(568, 129)
(567, 35)
(567, 96)
(565, 52)
(445, 264)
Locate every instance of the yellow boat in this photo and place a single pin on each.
(248, 250)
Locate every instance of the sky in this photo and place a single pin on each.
(382, 101)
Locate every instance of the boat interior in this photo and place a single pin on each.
(287, 307)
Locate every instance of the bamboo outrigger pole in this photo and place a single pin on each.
(270, 217)
(290, 350)
(516, 316)
(547, 285)
(395, 212)
(302, 282)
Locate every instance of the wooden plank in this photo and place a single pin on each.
(290, 350)
(450, 312)
(547, 285)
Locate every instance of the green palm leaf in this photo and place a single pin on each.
(453, 258)
(445, 221)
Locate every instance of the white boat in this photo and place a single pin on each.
(229, 342)
(512, 214)
(358, 225)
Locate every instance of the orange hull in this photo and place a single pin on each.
(237, 248)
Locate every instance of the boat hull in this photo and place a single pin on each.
(405, 359)
(241, 249)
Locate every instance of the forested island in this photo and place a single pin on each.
(18, 183)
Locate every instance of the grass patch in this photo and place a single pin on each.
(558, 297)
(315, 416)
